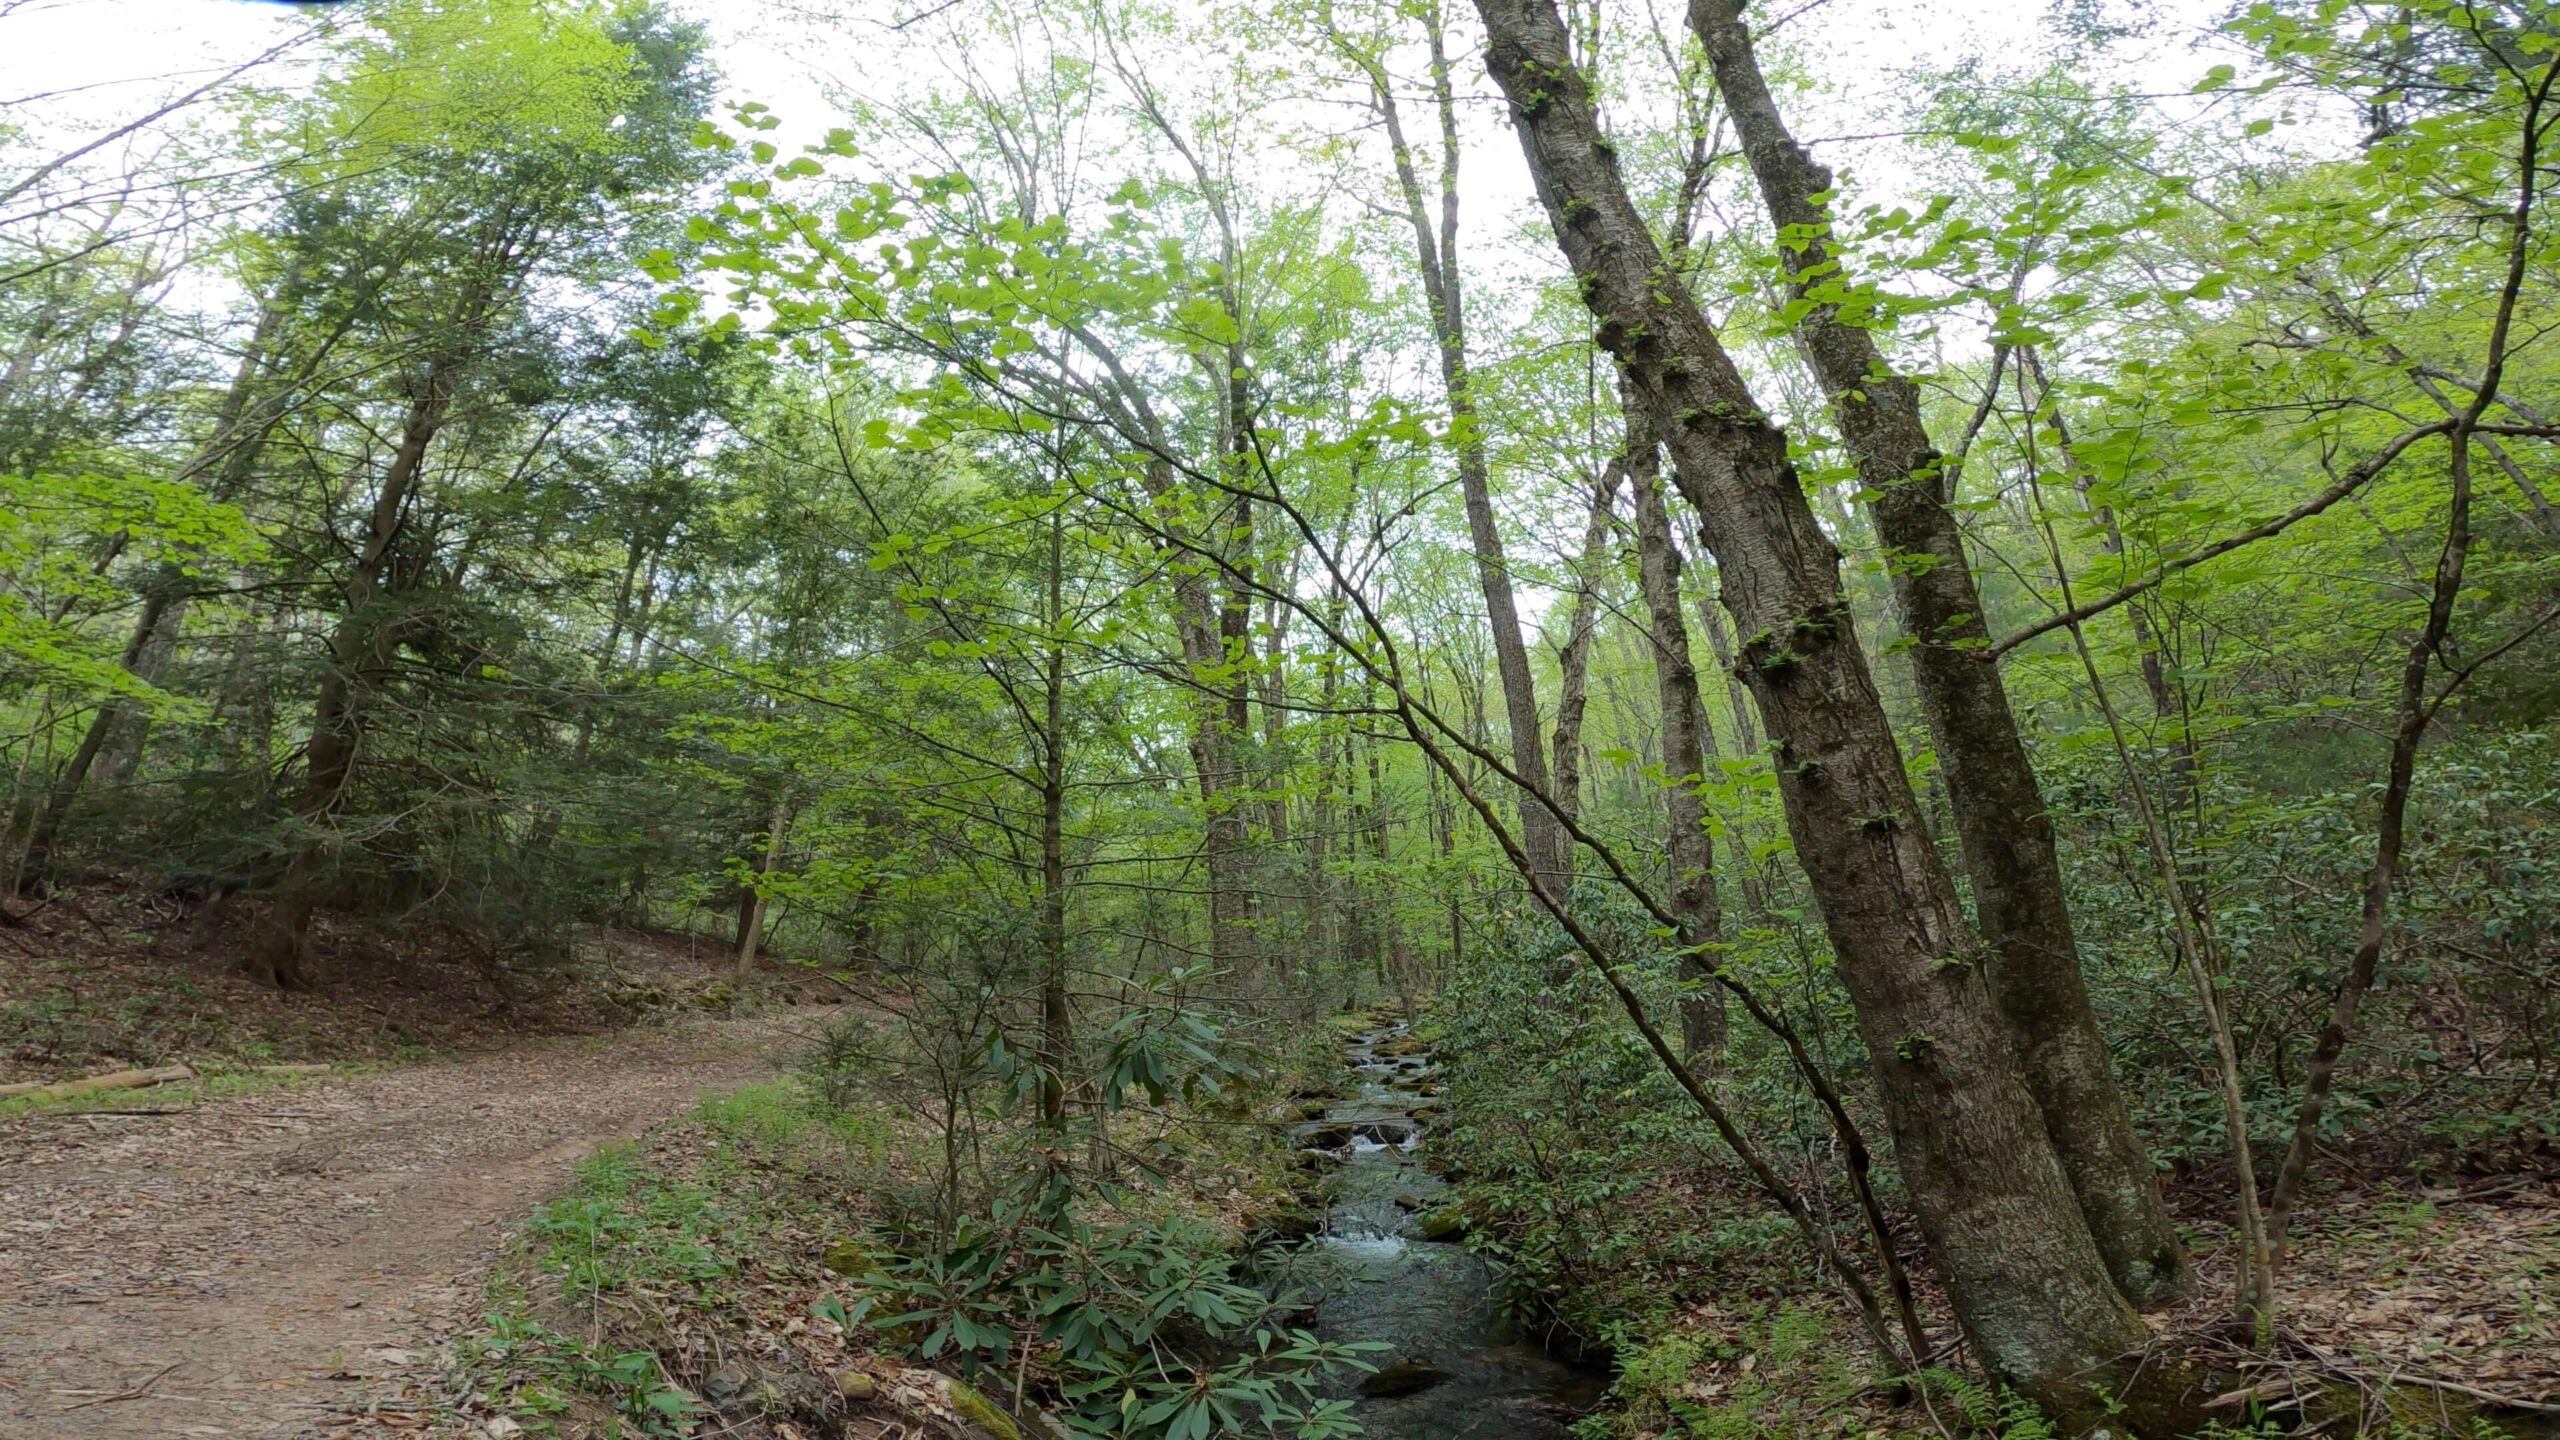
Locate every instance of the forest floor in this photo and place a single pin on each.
(249, 1254)
(263, 1264)
(113, 975)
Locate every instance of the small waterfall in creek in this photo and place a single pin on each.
(1451, 1366)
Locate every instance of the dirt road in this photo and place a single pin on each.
(255, 1267)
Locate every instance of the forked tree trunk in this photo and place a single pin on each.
(358, 651)
(2028, 1283)
(2002, 825)
(1230, 833)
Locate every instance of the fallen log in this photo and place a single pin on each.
(112, 1080)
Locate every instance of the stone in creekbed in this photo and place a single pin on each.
(1405, 1377)
(1441, 1225)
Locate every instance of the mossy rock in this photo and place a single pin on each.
(1446, 1226)
(850, 1258)
(1282, 1224)
(715, 996)
(978, 1410)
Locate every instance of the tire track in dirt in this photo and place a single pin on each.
(254, 1266)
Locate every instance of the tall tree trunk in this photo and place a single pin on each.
(35, 863)
(1746, 730)
(1230, 835)
(2146, 644)
(1273, 678)
(2028, 1283)
(2409, 728)
(1436, 255)
(2003, 828)
(1197, 629)
(1684, 753)
(1391, 954)
(608, 655)
(1056, 1020)
(1573, 662)
(1217, 634)
(752, 906)
(1328, 906)
(358, 649)
(1444, 837)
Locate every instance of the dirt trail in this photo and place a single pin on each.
(255, 1266)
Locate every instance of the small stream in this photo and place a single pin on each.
(1451, 1367)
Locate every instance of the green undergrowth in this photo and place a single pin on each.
(1784, 1367)
(1618, 1221)
(730, 1271)
(720, 1223)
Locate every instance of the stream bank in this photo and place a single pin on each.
(1451, 1365)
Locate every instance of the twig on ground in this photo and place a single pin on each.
(134, 1393)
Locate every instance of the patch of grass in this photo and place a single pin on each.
(777, 1121)
(622, 1230)
(174, 1096)
(623, 1227)
(1756, 1373)
(550, 1371)
(645, 1232)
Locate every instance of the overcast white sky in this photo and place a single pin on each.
(114, 55)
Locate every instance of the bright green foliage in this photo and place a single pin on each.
(1155, 1336)
(51, 525)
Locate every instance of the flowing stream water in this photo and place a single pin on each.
(1452, 1366)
